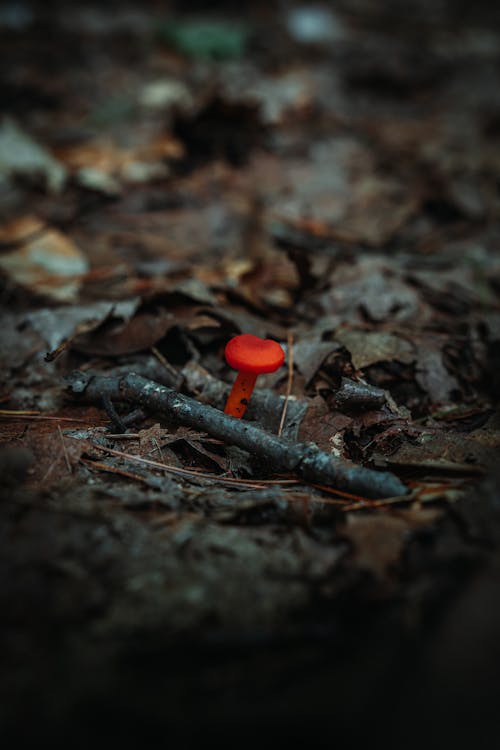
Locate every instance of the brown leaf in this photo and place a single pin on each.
(114, 339)
(339, 184)
(432, 375)
(310, 353)
(369, 288)
(368, 347)
(322, 426)
(44, 260)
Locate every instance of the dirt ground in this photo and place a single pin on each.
(323, 175)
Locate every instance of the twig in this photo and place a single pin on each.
(188, 473)
(158, 448)
(347, 496)
(114, 470)
(166, 364)
(27, 416)
(18, 413)
(288, 383)
(384, 503)
(66, 457)
(197, 474)
(304, 459)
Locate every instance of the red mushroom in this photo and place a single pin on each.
(251, 356)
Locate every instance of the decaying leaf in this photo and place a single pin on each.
(61, 324)
(435, 448)
(371, 290)
(115, 338)
(368, 347)
(44, 260)
(21, 155)
(309, 354)
(433, 376)
(338, 184)
(105, 167)
(16, 342)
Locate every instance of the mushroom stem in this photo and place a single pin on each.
(241, 391)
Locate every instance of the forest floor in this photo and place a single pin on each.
(325, 176)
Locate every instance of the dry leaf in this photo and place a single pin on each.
(368, 347)
(45, 260)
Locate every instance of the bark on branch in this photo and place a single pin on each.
(305, 460)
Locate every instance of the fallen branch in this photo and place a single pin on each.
(303, 459)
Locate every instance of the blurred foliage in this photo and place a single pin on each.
(202, 39)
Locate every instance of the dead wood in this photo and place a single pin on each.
(303, 459)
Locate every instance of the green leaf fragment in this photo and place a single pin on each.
(212, 40)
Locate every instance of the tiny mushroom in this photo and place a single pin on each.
(251, 356)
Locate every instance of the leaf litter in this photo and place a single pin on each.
(329, 200)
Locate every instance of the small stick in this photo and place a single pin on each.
(66, 457)
(158, 448)
(303, 459)
(195, 474)
(18, 413)
(166, 364)
(114, 470)
(289, 381)
(34, 417)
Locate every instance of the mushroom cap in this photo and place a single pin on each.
(249, 353)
